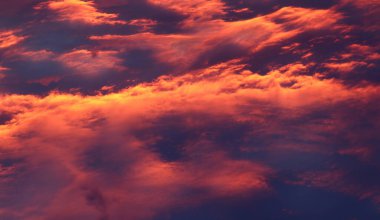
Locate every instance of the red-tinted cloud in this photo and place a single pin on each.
(9, 38)
(98, 158)
(91, 63)
(78, 11)
(206, 109)
(250, 35)
(198, 11)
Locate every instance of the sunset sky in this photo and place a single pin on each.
(189, 110)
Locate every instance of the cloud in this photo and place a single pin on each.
(73, 69)
(197, 11)
(78, 11)
(147, 109)
(364, 51)
(2, 72)
(91, 62)
(347, 67)
(111, 157)
(9, 38)
(363, 3)
(241, 37)
(365, 17)
(106, 176)
(144, 23)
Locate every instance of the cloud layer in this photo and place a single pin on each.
(166, 109)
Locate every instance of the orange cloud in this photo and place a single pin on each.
(9, 38)
(355, 56)
(36, 55)
(369, 53)
(145, 24)
(78, 11)
(89, 151)
(251, 35)
(345, 67)
(197, 10)
(147, 185)
(237, 105)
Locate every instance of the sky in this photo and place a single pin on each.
(183, 110)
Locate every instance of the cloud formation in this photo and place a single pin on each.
(9, 38)
(168, 109)
(110, 152)
(78, 11)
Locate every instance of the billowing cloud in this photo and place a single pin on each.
(90, 163)
(205, 109)
(78, 11)
(110, 153)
